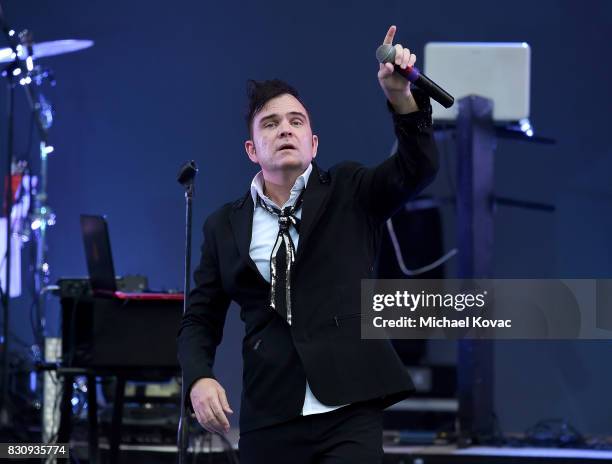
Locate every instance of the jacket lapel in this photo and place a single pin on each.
(315, 198)
(241, 219)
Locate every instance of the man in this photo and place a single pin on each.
(292, 253)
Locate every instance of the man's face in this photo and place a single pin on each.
(282, 137)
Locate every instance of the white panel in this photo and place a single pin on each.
(15, 261)
(499, 71)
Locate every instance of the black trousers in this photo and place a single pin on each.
(351, 435)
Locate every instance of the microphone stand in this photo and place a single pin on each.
(186, 177)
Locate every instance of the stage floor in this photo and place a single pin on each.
(152, 454)
(491, 455)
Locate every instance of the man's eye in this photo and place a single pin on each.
(296, 122)
(269, 125)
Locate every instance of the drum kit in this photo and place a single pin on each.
(23, 69)
(25, 202)
(30, 213)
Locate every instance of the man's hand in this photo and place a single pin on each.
(210, 405)
(396, 87)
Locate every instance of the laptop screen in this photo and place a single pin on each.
(98, 253)
(499, 71)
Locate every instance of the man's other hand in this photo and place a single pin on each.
(396, 87)
(210, 405)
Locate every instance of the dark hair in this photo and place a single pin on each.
(261, 92)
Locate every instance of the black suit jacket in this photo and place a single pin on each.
(343, 211)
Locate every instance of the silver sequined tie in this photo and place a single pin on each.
(282, 257)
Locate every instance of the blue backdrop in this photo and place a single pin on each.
(165, 83)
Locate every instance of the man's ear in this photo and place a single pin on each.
(249, 147)
(315, 145)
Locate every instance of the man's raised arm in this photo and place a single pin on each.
(385, 188)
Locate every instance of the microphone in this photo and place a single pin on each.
(187, 173)
(386, 54)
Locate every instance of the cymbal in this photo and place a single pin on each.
(42, 49)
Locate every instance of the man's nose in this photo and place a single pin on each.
(285, 129)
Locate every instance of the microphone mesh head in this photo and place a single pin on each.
(385, 53)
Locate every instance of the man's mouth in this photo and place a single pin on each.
(286, 146)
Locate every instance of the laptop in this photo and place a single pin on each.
(496, 70)
(100, 264)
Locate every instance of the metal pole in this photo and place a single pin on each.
(7, 256)
(475, 149)
(45, 218)
(186, 178)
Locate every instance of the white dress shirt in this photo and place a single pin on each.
(263, 236)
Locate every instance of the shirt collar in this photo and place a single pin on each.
(300, 183)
